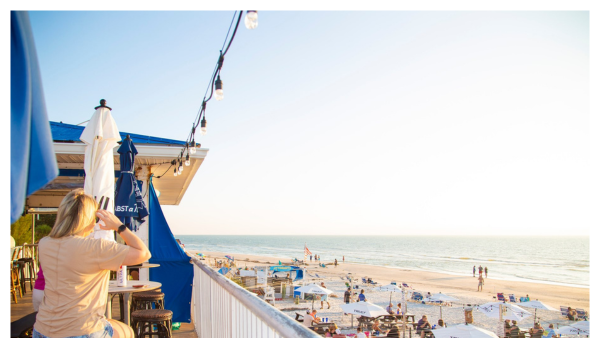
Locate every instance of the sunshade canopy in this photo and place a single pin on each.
(463, 331)
(364, 309)
(440, 297)
(536, 304)
(314, 289)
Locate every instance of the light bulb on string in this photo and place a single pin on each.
(203, 125)
(219, 89)
(180, 170)
(192, 148)
(187, 159)
(175, 172)
(251, 20)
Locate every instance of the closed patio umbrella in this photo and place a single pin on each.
(129, 205)
(32, 158)
(100, 137)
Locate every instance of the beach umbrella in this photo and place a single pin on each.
(463, 331)
(389, 288)
(440, 297)
(536, 304)
(32, 158)
(364, 309)
(315, 290)
(100, 137)
(496, 309)
(129, 204)
(200, 254)
(578, 328)
(229, 257)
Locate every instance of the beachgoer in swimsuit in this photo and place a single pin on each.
(324, 298)
(362, 297)
(485, 271)
(474, 269)
(480, 285)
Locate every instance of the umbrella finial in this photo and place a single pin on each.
(103, 105)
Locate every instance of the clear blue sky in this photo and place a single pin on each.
(348, 122)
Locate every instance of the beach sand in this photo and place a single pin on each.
(461, 287)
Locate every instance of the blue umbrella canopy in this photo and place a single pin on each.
(32, 158)
(129, 204)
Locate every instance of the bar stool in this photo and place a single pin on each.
(146, 300)
(144, 323)
(28, 266)
(15, 285)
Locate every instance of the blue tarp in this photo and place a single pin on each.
(32, 158)
(176, 273)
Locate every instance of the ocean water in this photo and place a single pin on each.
(553, 260)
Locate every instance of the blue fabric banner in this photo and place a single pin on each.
(176, 273)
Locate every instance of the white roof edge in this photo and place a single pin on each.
(143, 150)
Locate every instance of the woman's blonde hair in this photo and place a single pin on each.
(76, 211)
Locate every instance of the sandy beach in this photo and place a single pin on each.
(461, 287)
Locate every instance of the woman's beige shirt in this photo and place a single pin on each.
(76, 270)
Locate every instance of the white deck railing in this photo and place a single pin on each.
(223, 309)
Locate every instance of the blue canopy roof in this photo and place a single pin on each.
(68, 133)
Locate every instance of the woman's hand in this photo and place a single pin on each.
(111, 222)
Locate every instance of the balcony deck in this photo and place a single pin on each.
(25, 307)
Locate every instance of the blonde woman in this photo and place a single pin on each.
(76, 269)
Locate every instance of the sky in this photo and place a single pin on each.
(348, 122)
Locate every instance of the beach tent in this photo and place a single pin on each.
(32, 158)
(176, 273)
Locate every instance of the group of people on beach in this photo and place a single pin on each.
(537, 331)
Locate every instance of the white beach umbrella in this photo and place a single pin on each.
(365, 309)
(536, 304)
(100, 137)
(389, 288)
(575, 329)
(463, 331)
(440, 297)
(496, 309)
(315, 290)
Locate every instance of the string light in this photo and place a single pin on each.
(219, 89)
(251, 20)
(215, 86)
(203, 126)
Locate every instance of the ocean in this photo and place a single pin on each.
(552, 260)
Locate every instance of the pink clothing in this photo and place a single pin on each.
(40, 282)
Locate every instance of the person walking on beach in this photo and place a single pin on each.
(480, 285)
(480, 270)
(485, 271)
(311, 258)
(474, 269)
(343, 259)
(335, 264)
(324, 298)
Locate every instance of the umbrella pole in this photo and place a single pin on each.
(441, 311)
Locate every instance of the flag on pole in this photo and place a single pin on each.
(306, 252)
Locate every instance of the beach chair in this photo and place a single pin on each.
(523, 299)
(564, 310)
(501, 297)
(417, 296)
(581, 314)
(406, 285)
(371, 282)
(393, 282)
(364, 280)
(512, 298)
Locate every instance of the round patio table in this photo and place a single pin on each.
(127, 291)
